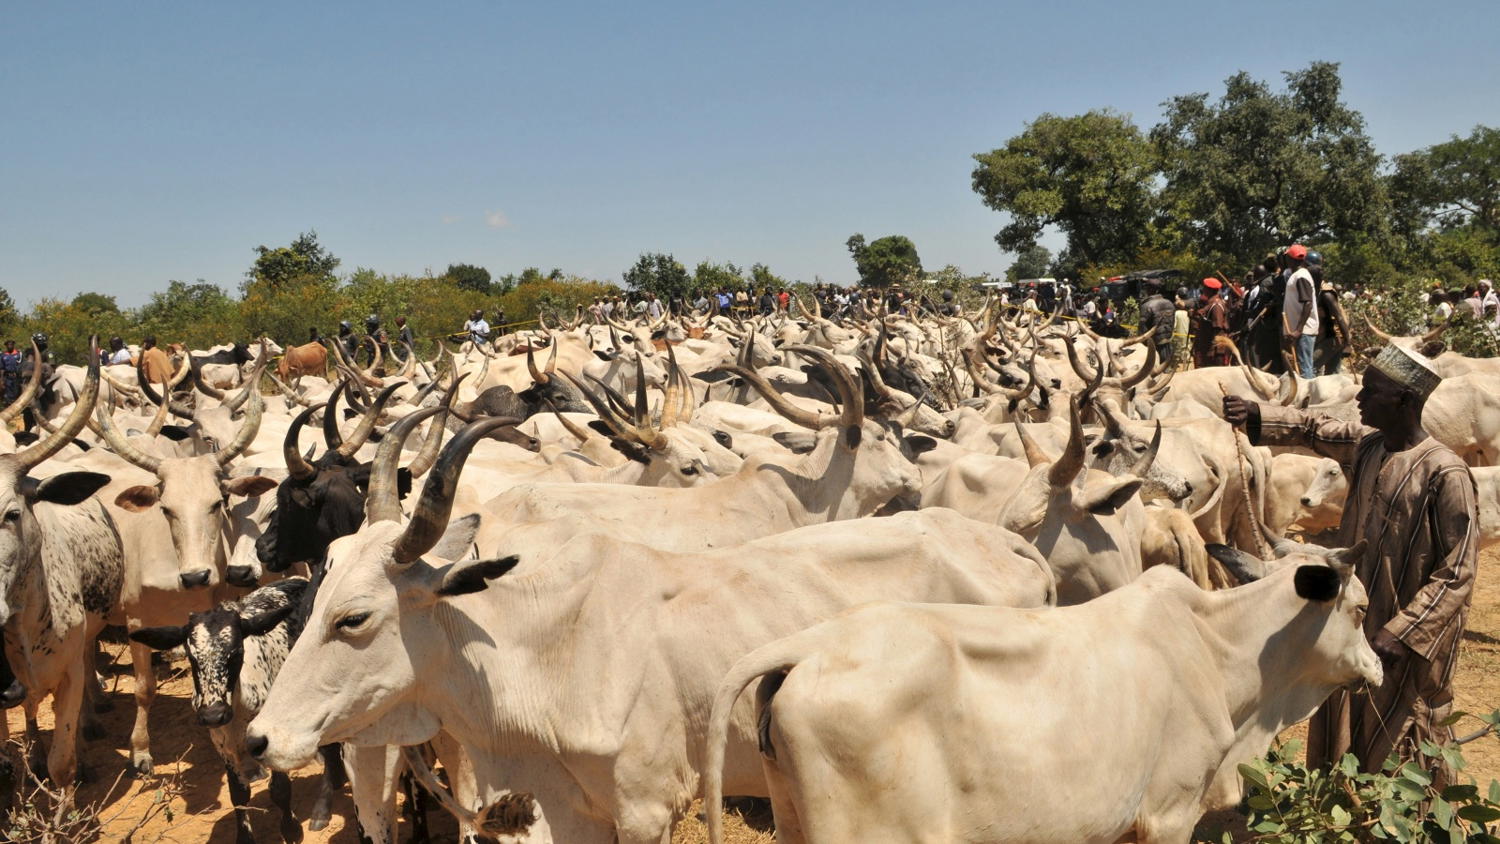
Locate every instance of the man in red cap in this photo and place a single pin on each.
(1300, 310)
(1210, 321)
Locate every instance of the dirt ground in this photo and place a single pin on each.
(200, 810)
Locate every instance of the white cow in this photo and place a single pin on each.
(1120, 719)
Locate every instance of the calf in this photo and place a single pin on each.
(236, 650)
(964, 723)
(1304, 491)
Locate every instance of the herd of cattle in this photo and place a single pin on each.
(981, 572)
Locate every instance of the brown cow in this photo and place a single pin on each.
(307, 359)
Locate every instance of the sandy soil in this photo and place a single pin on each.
(200, 811)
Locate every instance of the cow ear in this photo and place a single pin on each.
(160, 638)
(26, 437)
(457, 538)
(631, 450)
(919, 443)
(604, 356)
(250, 487)
(1244, 567)
(1105, 498)
(137, 499)
(797, 442)
(599, 426)
(1102, 448)
(175, 433)
(68, 488)
(1318, 583)
(473, 575)
(268, 606)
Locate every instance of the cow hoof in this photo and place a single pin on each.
(141, 764)
(291, 831)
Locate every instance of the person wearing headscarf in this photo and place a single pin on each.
(1412, 510)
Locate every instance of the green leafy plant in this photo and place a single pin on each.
(1291, 803)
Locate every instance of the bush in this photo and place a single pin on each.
(1290, 803)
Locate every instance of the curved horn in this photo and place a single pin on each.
(1145, 371)
(382, 500)
(849, 390)
(430, 518)
(122, 447)
(1377, 332)
(408, 366)
(1078, 368)
(1143, 464)
(794, 414)
(1092, 386)
(1291, 390)
(252, 381)
(15, 407)
(247, 431)
(367, 422)
(1433, 334)
(1066, 468)
(83, 405)
(331, 436)
(573, 430)
(160, 418)
(671, 404)
(602, 408)
(183, 371)
(378, 357)
(537, 375)
(297, 466)
(203, 386)
(425, 458)
(1034, 455)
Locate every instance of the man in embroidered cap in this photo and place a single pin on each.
(1414, 502)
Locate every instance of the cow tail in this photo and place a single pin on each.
(778, 657)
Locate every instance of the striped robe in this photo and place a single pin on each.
(1418, 510)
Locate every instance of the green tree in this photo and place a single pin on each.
(199, 314)
(710, 276)
(96, 304)
(659, 273)
(1031, 262)
(1260, 169)
(9, 316)
(305, 258)
(1453, 184)
(889, 260)
(1091, 176)
(761, 278)
(469, 277)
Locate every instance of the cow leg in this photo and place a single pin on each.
(239, 797)
(281, 798)
(331, 783)
(36, 752)
(415, 809)
(145, 693)
(67, 708)
(100, 700)
(783, 808)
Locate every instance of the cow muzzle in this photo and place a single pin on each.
(240, 576)
(13, 695)
(215, 714)
(195, 579)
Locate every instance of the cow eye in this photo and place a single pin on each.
(352, 621)
(13, 515)
(689, 470)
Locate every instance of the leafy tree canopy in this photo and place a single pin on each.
(659, 273)
(1032, 262)
(1092, 176)
(1260, 169)
(469, 277)
(1452, 184)
(708, 276)
(305, 258)
(889, 260)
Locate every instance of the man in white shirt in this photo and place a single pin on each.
(479, 330)
(1487, 295)
(1299, 309)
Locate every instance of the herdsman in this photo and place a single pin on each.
(1414, 501)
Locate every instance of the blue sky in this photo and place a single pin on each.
(144, 142)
